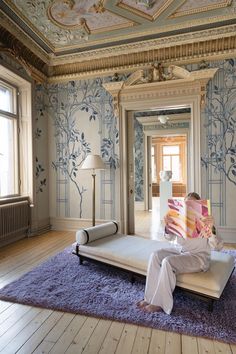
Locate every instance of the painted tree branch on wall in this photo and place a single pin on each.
(40, 172)
(70, 104)
(221, 124)
(42, 181)
(73, 148)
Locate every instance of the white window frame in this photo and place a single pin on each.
(13, 115)
(25, 143)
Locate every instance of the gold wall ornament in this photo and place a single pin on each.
(181, 81)
(157, 72)
(137, 76)
(114, 88)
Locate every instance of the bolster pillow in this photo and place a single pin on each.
(95, 232)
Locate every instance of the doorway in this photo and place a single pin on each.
(169, 153)
(157, 148)
(182, 89)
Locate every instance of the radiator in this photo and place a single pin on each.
(14, 221)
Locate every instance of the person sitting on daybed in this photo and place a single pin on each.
(186, 256)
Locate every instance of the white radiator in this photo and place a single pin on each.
(14, 221)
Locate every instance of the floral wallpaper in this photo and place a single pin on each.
(81, 114)
(138, 160)
(83, 123)
(39, 133)
(219, 157)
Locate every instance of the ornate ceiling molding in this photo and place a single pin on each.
(212, 44)
(178, 12)
(148, 45)
(14, 48)
(56, 41)
(215, 49)
(6, 25)
(136, 9)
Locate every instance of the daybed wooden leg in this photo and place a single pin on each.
(210, 305)
(76, 251)
(80, 260)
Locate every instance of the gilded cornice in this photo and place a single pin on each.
(12, 28)
(148, 45)
(14, 48)
(181, 53)
(212, 44)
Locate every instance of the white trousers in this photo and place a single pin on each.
(164, 265)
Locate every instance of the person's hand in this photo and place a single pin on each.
(209, 221)
(167, 219)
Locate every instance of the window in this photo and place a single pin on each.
(171, 161)
(9, 171)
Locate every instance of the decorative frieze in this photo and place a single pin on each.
(181, 82)
(185, 53)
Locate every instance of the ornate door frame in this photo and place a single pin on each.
(181, 88)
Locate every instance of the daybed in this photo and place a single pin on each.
(102, 243)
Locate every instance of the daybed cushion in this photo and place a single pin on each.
(132, 253)
(96, 232)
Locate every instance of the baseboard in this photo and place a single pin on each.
(39, 227)
(70, 224)
(228, 234)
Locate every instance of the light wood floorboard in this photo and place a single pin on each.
(26, 330)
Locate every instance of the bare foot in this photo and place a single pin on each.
(142, 303)
(152, 308)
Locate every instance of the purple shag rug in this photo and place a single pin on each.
(101, 291)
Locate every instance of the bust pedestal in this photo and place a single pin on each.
(165, 194)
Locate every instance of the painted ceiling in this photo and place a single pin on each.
(61, 39)
(61, 27)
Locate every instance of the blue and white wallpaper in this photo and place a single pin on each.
(139, 160)
(219, 157)
(81, 114)
(81, 120)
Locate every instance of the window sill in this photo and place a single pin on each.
(13, 200)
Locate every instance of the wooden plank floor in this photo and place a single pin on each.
(25, 329)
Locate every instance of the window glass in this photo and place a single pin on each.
(175, 168)
(9, 175)
(6, 98)
(166, 163)
(170, 149)
(8, 157)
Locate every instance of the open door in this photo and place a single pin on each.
(131, 173)
(149, 172)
